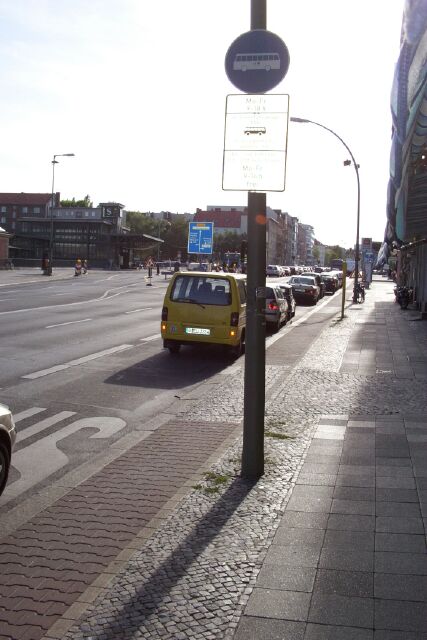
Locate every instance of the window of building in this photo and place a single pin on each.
(36, 209)
(24, 210)
(13, 225)
(3, 209)
(14, 214)
(3, 219)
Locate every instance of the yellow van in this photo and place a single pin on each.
(208, 308)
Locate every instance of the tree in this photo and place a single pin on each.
(334, 252)
(316, 254)
(228, 241)
(85, 202)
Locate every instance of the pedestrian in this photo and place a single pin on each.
(85, 266)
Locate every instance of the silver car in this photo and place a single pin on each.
(276, 307)
(7, 442)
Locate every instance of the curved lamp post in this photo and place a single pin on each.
(356, 167)
(54, 162)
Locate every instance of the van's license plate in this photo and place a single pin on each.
(198, 331)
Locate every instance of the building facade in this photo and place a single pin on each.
(97, 234)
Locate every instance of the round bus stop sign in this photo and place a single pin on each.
(257, 61)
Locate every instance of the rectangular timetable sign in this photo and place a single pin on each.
(255, 142)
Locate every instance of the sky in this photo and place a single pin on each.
(136, 89)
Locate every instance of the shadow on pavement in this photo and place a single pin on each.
(166, 371)
(150, 594)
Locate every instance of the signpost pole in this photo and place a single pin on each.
(254, 389)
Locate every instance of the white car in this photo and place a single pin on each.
(7, 442)
(273, 270)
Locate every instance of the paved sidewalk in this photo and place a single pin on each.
(348, 560)
(329, 544)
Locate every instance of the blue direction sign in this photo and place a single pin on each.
(200, 237)
(257, 61)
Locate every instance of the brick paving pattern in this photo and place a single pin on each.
(47, 563)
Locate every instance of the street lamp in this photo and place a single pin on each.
(54, 162)
(356, 167)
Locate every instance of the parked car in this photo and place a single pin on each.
(273, 270)
(339, 275)
(304, 289)
(276, 307)
(330, 281)
(287, 290)
(205, 308)
(319, 282)
(7, 441)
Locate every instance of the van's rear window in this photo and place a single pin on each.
(201, 290)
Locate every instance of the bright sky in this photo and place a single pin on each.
(137, 88)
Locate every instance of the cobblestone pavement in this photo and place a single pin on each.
(216, 567)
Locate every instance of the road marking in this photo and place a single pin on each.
(136, 310)
(105, 296)
(62, 324)
(148, 338)
(38, 427)
(27, 413)
(4, 299)
(74, 363)
(41, 459)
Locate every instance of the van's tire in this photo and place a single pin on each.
(174, 348)
(239, 349)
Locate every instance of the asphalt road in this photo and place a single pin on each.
(83, 369)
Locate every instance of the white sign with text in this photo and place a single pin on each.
(255, 142)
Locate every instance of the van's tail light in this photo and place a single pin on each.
(273, 306)
(234, 319)
(164, 313)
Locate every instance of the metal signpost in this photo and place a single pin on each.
(255, 63)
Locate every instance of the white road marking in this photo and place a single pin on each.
(137, 310)
(38, 427)
(41, 459)
(27, 413)
(149, 338)
(105, 296)
(4, 299)
(51, 326)
(74, 363)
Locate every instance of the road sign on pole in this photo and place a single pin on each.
(257, 61)
(200, 237)
(255, 142)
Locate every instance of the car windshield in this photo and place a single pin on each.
(302, 280)
(199, 289)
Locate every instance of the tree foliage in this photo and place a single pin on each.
(334, 252)
(84, 202)
(174, 233)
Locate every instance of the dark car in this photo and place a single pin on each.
(330, 281)
(7, 441)
(276, 307)
(287, 290)
(319, 282)
(305, 289)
